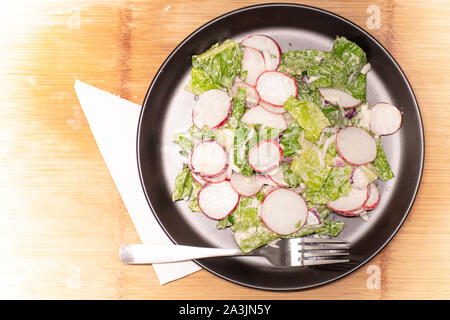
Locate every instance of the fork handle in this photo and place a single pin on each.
(149, 253)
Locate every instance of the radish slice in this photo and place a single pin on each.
(373, 199)
(313, 218)
(245, 186)
(217, 179)
(278, 178)
(218, 200)
(198, 178)
(283, 211)
(385, 119)
(356, 146)
(253, 62)
(355, 213)
(208, 158)
(359, 179)
(212, 109)
(265, 180)
(353, 201)
(276, 87)
(269, 48)
(338, 98)
(251, 96)
(271, 108)
(258, 115)
(265, 156)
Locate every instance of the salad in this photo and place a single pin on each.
(281, 141)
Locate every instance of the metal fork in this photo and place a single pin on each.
(282, 252)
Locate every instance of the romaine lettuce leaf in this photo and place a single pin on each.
(183, 184)
(193, 202)
(308, 116)
(204, 134)
(262, 134)
(312, 166)
(350, 53)
(222, 62)
(241, 149)
(381, 164)
(200, 82)
(238, 107)
(336, 185)
(331, 72)
(184, 142)
(356, 86)
(296, 63)
(291, 179)
(289, 140)
(249, 231)
(335, 116)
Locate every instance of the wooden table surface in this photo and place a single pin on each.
(62, 218)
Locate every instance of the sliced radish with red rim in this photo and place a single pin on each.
(259, 115)
(218, 200)
(216, 179)
(358, 178)
(338, 97)
(198, 178)
(253, 63)
(313, 218)
(208, 158)
(271, 108)
(353, 201)
(354, 213)
(356, 146)
(245, 186)
(251, 95)
(269, 48)
(265, 180)
(212, 109)
(385, 119)
(265, 156)
(275, 87)
(278, 177)
(283, 211)
(374, 197)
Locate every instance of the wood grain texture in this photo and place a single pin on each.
(63, 219)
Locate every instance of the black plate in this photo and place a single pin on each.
(167, 109)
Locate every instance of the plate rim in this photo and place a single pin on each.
(371, 38)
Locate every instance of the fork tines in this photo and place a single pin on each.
(317, 251)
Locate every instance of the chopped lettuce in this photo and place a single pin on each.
(183, 185)
(296, 63)
(289, 140)
(312, 166)
(249, 231)
(291, 179)
(193, 202)
(356, 86)
(222, 63)
(241, 149)
(200, 82)
(381, 164)
(238, 107)
(335, 116)
(350, 53)
(184, 142)
(336, 185)
(331, 72)
(204, 134)
(262, 134)
(308, 116)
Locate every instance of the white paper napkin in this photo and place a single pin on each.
(113, 122)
